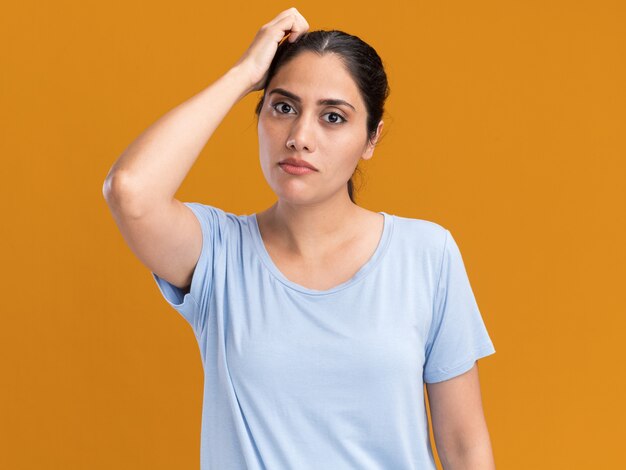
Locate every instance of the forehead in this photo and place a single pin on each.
(313, 77)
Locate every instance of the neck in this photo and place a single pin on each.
(309, 231)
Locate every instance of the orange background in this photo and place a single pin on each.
(505, 124)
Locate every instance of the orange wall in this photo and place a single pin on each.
(505, 124)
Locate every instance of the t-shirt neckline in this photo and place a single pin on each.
(369, 265)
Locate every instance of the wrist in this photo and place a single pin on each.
(239, 77)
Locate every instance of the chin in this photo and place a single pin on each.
(296, 196)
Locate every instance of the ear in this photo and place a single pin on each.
(369, 151)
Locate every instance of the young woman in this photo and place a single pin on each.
(318, 321)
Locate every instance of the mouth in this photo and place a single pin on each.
(297, 163)
(295, 169)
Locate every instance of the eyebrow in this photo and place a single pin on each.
(328, 101)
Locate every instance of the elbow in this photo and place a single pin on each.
(115, 184)
(120, 194)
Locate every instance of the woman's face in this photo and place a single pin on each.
(331, 136)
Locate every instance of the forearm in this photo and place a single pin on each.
(152, 168)
(476, 457)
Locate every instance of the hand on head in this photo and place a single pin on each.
(287, 25)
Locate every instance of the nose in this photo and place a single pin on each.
(301, 136)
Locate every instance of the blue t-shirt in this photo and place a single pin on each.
(304, 379)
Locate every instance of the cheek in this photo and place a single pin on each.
(345, 150)
(270, 135)
(262, 130)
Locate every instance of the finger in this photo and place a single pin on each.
(295, 34)
(301, 28)
(282, 15)
(295, 25)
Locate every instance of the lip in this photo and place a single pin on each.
(297, 162)
(296, 170)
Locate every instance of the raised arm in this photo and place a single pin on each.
(140, 186)
(152, 168)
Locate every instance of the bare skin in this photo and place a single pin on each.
(344, 255)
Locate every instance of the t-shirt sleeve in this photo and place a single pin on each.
(194, 305)
(457, 336)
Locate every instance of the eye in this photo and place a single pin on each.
(337, 115)
(281, 105)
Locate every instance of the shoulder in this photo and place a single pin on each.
(214, 216)
(427, 234)
(221, 229)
